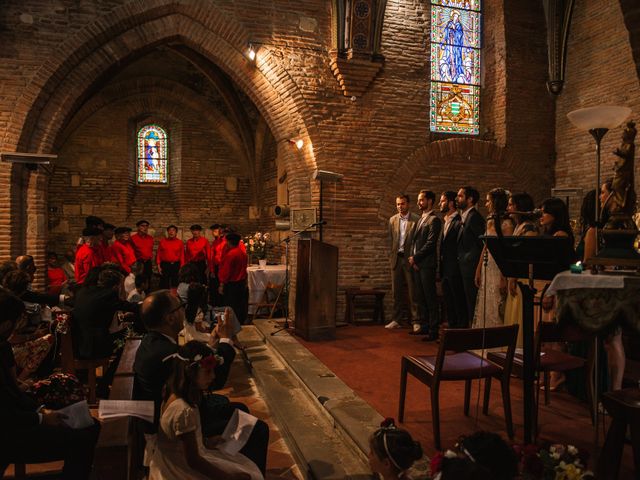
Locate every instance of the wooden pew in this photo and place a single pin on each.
(118, 447)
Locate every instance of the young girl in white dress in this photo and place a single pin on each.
(180, 452)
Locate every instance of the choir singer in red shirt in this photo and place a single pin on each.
(232, 275)
(142, 244)
(197, 252)
(169, 258)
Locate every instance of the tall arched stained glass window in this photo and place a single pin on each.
(152, 155)
(455, 66)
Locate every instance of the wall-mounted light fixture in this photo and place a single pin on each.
(299, 143)
(251, 53)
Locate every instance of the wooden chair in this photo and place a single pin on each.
(462, 365)
(271, 300)
(624, 408)
(70, 364)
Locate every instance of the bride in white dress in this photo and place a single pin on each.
(179, 452)
(490, 282)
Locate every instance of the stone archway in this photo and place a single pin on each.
(87, 60)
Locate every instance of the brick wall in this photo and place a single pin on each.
(600, 71)
(70, 69)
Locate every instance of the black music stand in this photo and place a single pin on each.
(535, 258)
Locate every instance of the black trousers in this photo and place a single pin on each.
(427, 297)
(48, 444)
(169, 278)
(215, 299)
(147, 269)
(456, 307)
(236, 295)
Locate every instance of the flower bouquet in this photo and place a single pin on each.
(257, 245)
(557, 462)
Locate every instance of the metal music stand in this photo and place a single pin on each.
(285, 287)
(533, 258)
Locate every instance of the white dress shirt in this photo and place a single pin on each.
(403, 232)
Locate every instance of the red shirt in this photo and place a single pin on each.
(170, 250)
(103, 250)
(233, 267)
(215, 252)
(142, 246)
(123, 255)
(197, 250)
(86, 259)
(55, 278)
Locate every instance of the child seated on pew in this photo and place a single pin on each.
(180, 451)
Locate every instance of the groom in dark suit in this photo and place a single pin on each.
(450, 275)
(424, 261)
(469, 246)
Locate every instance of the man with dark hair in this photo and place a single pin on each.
(122, 249)
(197, 252)
(424, 261)
(469, 247)
(400, 234)
(169, 258)
(142, 244)
(233, 277)
(449, 268)
(95, 308)
(104, 247)
(90, 222)
(163, 314)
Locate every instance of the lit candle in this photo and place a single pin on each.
(576, 267)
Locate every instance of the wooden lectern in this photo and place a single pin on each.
(316, 290)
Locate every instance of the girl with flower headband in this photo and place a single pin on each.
(393, 451)
(179, 451)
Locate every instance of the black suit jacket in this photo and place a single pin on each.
(151, 373)
(425, 240)
(469, 243)
(92, 315)
(449, 249)
(41, 298)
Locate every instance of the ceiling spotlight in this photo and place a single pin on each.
(252, 53)
(298, 143)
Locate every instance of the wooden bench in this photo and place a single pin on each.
(118, 448)
(350, 304)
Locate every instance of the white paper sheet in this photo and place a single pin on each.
(78, 415)
(126, 408)
(237, 432)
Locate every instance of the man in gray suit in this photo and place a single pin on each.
(401, 227)
(424, 261)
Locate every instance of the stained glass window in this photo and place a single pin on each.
(152, 155)
(455, 66)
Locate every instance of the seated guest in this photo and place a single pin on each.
(141, 285)
(68, 264)
(28, 434)
(163, 316)
(170, 257)
(490, 451)
(31, 340)
(122, 249)
(392, 451)
(233, 277)
(130, 280)
(87, 256)
(196, 326)
(6, 267)
(180, 451)
(187, 275)
(56, 278)
(95, 308)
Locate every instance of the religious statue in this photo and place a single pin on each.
(621, 204)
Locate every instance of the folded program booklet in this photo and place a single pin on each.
(78, 415)
(126, 408)
(237, 432)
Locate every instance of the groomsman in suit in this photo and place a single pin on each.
(424, 261)
(449, 269)
(469, 246)
(401, 227)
